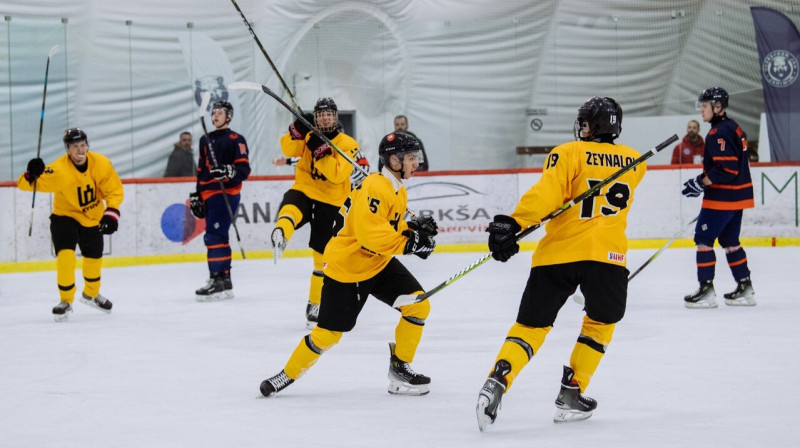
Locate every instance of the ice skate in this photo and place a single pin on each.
(312, 315)
(62, 311)
(99, 302)
(214, 290)
(227, 284)
(704, 297)
(491, 394)
(275, 384)
(572, 405)
(743, 295)
(403, 380)
(278, 243)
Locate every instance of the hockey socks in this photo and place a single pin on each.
(589, 350)
(309, 350)
(91, 276)
(408, 332)
(522, 342)
(65, 274)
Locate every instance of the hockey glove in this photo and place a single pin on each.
(503, 237)
(319, 148)
(109, 222)
(424, 225)
(223, 172)
(418, 244)
(196, 205)
(298, 130)
(693, 187)
(35, 169)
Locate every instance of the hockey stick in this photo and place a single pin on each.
(662, 249)
(408, 299)
(580, 300)
(41, 125)
(203, 105)
(246, 85)
(264, 52)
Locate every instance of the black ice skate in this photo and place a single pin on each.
(312, 315)
(403, 380)
(572, 405)
(275, 384)
(62, 311)
(743, 295)
(704, 297)
(214, 290)
(227, 284)
(278, 243)
(491, 394)
(99, 302)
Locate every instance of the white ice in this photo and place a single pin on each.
(165, 371)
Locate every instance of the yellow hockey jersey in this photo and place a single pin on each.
(327, 179)
(593, 229)
(372, 231)
(80, 195)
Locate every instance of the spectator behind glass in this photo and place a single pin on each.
(181, 162)
(401, 125)
(690, 149)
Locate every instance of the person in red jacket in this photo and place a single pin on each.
(690, 149)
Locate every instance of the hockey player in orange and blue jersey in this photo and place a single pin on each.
(321, 184)
(584, 246)
(228, 167)
(360, 261)
(727, 190)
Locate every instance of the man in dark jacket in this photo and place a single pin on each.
(181, 162)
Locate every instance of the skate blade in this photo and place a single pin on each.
(742, 301)
(570, 415)
(62, 317)
(480, 410)
(216, 297)
(402, 388)
(94, 305)
(703, 304)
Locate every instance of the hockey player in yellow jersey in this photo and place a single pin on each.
(584, 246)
(360, 261)
(87, 195)
(322, 183)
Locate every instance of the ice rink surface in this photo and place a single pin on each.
(165, 371)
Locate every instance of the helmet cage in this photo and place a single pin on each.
(326, 107)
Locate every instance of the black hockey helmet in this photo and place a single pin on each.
(398, 144)
(74, 135)
(714, 95)
(326, 105)
(228, 107)
(604, 116)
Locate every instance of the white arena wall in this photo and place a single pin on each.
(155, 219)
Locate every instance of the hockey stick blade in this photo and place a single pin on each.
(408, 299)
(206, 98)
(53, 51)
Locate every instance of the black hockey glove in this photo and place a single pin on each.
(693, 187)
(196, 205)
(424, 225)
(418, 244)
(109, 222)
(503, 237)
(298, 130)
(223, 172)
(35, 169)
(319, 148)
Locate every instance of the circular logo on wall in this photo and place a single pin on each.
(780, 68)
